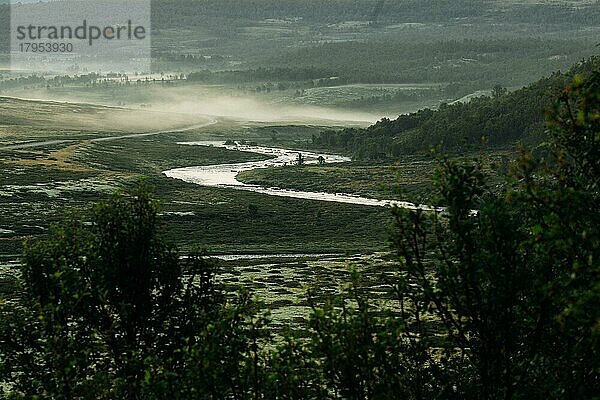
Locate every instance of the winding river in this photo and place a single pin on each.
(224, 175)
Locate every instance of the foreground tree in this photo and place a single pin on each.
(109, 310)
(514, 286)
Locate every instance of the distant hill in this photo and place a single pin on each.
(178, 13)
(169, 11)
(494, 122)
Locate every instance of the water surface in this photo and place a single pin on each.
(224, 175)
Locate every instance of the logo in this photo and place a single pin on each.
(71, 36)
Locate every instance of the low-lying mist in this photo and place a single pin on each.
(75, 115)
(252, 108)
(212, 101)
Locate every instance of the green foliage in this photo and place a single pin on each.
(292, 372)
(360, 349)
(514, 284)
(502, 121)
(111, 309)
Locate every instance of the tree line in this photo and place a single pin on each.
(487, 122)
(468, 62)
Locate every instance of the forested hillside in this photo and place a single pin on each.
(507, 61)
(494, 122)
(369, 41)
(165, 12)
(397, 41)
